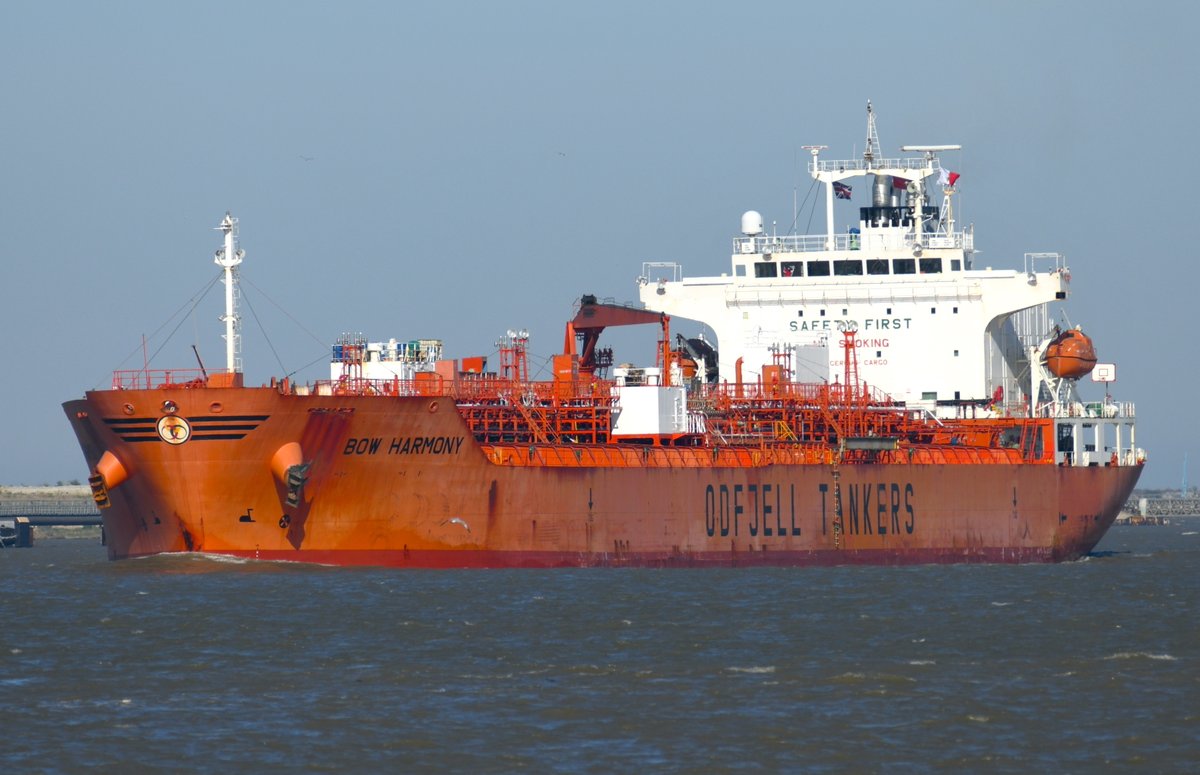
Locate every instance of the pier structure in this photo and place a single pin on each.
(19, 516)
(1163, 506)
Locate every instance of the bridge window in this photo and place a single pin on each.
(768, 269)
(846, 267)
(931, 266)
(877, 266)
(955, 265)
(1066, 438)
(904, 266)
(818, 268)
(793, 268)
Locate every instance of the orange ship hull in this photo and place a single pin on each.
(402, 481)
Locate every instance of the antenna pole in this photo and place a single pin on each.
(203, 371)
(872, 151)
(815, 150)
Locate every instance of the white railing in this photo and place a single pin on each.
(814, 243)
(1045, 262)
(663, 271)
(860, 165)
(1112, 410)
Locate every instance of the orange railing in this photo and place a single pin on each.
(152, 379)
(569, 423)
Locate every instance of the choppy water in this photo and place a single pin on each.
(200, 664)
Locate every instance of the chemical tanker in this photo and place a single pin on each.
(867, 396)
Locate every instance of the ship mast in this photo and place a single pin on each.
(872, 151)
(871, 154)
(229, 257)
(815, 150)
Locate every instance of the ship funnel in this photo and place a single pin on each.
(881, 192)
(885, 192)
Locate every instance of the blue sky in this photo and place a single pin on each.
(452, 170)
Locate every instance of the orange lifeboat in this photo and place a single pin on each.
(686, 364)
(1071, 354)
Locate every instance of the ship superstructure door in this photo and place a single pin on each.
(1065, 448)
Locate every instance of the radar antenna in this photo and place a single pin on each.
(872, 151)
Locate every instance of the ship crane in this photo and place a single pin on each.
(594, 316)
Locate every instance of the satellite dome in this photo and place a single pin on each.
(752, 223)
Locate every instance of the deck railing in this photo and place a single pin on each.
(150, 379)
(815, 243)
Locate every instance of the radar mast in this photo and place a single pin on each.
(229, 257)
(872, 151)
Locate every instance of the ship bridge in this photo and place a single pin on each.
(933, 329)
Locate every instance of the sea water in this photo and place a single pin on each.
(198, 663)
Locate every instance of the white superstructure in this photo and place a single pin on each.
(933, 329)
(356, 358)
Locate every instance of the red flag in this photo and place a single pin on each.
(899, 183)
(953, 177)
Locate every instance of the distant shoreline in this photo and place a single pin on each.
(67, 533)
(54, 491)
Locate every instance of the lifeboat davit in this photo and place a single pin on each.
(1071, 354)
